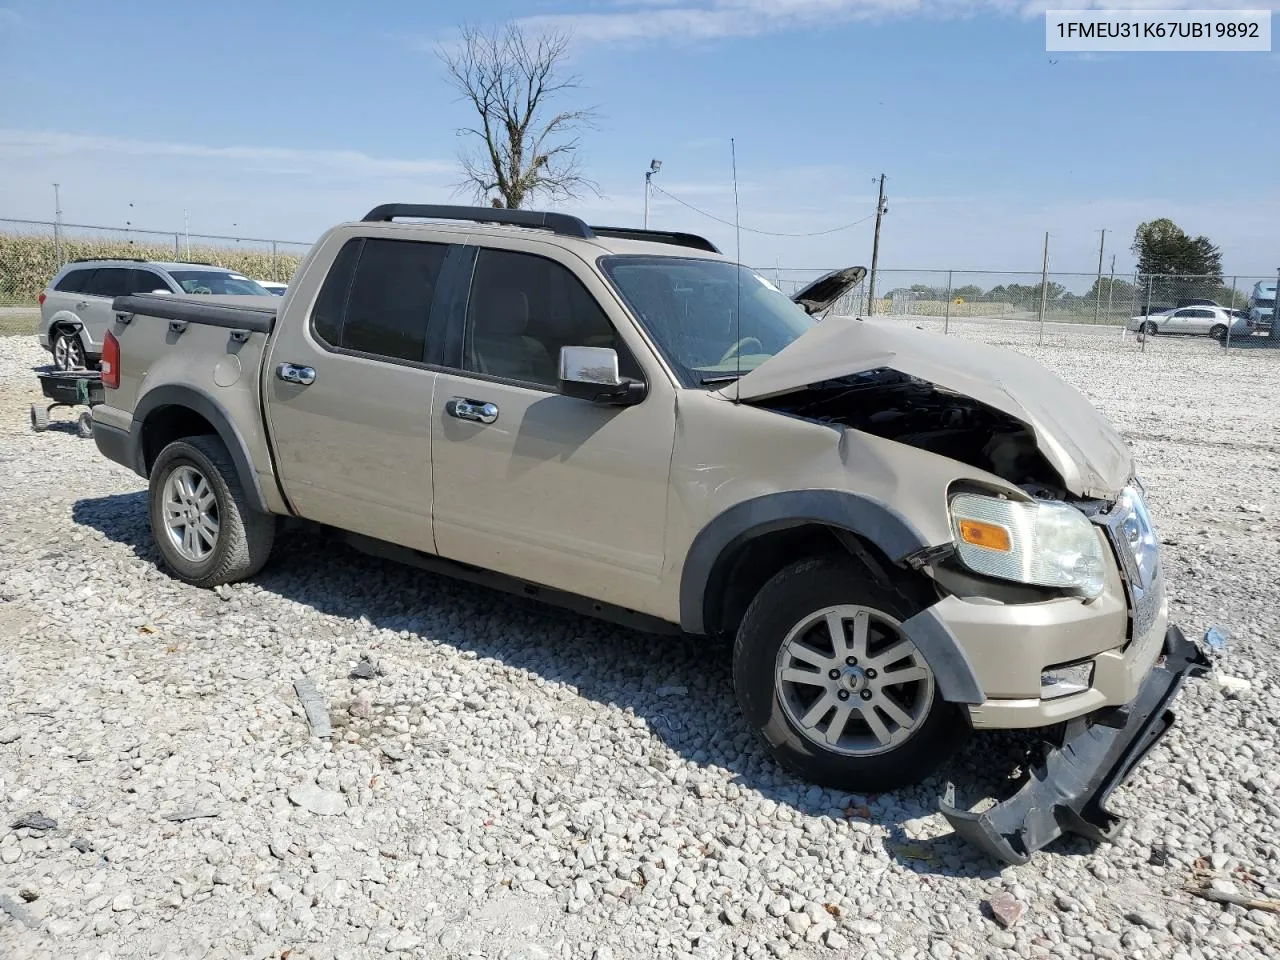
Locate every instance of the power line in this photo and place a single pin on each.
(766, 233)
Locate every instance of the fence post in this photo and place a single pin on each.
(1231, 316)
(946, 321)
(275, 262)
(177, 250)
(1275, 310)
(1146, 317)
(1044, 286)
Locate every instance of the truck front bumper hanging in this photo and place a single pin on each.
(1067, 792)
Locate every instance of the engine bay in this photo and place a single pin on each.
(915, 412)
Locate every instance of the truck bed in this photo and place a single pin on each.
(199, 353)
(255, 314)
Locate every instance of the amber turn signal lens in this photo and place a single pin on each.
(989, 535)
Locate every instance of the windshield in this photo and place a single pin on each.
(217, 282)
(714, 320)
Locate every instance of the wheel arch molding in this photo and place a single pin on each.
(178, 398)
(711, 556)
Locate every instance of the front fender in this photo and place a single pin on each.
(869, 518)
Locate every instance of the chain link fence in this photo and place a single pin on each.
(1013, 308)
(32, 252)
(1139, 311)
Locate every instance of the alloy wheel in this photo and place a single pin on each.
(851, 682)
(190, 513)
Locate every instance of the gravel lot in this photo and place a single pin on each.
(517, 782)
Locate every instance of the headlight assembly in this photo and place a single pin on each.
(1044, 543)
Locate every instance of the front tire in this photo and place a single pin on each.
(201, 520)
(1150, 328)
(840, 695)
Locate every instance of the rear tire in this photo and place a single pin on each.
(1218, 332)
(84, 425)
(39, 417)
(201, 520)
(68, 350)
(871, 750)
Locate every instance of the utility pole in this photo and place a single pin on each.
(1097, 290)
(875, 252)
(654, 167)
(57, 224)
(1044, 285)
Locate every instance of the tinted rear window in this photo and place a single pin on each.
(111, 282)
(377, 297)
(73, 282)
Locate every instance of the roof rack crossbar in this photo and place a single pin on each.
(561, 223)
(691, 240)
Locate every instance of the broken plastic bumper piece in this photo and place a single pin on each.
(1067, 793)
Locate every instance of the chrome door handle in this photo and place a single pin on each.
(477, 410)
(292, 373)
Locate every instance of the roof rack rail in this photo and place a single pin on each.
(657, 236)
(108, 259)
(561, 223)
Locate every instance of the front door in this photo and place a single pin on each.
(557, 491)
(349, 392)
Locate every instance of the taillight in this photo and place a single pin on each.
(110, 363)
(42, 296)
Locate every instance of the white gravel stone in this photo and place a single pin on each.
(506, 760)
(325, 803)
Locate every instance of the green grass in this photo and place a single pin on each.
(19, 321)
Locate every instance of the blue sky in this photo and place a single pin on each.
(278, 118)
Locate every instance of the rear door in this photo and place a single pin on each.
(94, 306)
(1199, 320)
(1176, 321)
(348, 387)
(554, 490)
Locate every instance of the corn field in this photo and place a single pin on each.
(27, 263)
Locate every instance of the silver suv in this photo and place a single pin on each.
(75, 309)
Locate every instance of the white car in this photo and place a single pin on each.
(273, 287)
(1196, 321)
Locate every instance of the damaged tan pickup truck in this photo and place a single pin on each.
(908, 537)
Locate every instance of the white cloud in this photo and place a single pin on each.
(15, 144)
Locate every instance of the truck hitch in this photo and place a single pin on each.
(1068, 790)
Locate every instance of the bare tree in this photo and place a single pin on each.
(509, 78)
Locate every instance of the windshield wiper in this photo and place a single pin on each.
(723, 378)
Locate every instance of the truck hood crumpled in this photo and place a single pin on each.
(1090, 456)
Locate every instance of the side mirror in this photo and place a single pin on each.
(591, 373)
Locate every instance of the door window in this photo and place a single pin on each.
(377, 297)
(522, 309)
(144, 281)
